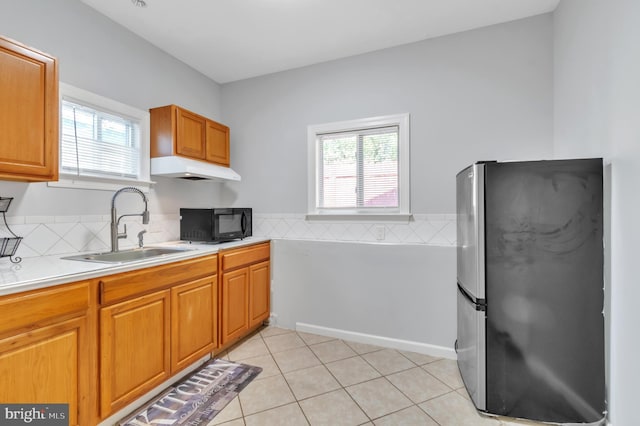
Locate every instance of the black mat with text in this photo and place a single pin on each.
(196, 399)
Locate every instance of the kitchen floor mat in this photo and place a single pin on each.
(197, 398)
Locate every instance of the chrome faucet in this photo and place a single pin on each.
(115, 220)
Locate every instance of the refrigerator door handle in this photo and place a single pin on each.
(480, 304)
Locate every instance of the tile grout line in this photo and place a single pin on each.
(305, 344)
(283, 376)
(287, 382)
(308, 346)
(344, 388)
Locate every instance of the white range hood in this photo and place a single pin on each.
(186, 168)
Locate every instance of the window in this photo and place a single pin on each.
(359, 167)
(103, 143)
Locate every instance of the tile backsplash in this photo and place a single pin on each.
(60, 235)
(430, 229)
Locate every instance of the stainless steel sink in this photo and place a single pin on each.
(127, 255)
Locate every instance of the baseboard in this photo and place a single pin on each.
(386, 342)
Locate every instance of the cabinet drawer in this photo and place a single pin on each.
(245, 256)
(30, 309)
(120, 286)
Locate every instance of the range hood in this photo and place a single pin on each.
(186, 168)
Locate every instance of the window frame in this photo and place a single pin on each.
(106, 183)
(402, 212)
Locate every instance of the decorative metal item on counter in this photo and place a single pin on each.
(8, 245)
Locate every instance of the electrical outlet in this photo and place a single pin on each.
(379, 232)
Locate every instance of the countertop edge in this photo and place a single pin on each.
(14, 280)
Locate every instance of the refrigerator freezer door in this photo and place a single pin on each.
(470, 347)
(470, 230)
(545, 329)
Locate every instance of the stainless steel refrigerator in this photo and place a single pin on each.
(530, 341)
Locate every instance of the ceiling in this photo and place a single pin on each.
(230, 40)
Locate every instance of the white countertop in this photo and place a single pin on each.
(46, 271)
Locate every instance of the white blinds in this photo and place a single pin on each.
(98, 143)
(358, 169)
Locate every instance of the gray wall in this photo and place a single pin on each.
(481, 94)
(403, 293)
(100, 56)
(597, 110)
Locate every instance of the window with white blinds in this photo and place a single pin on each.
(103, 143)
(98, 143)
(360, 167)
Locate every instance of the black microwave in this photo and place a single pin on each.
(215, 225)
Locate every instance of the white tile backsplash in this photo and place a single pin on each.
(61, 235)
(436, 229)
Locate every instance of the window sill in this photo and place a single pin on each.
(67, 181)
(360, 217)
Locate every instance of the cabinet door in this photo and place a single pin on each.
(194, 313)
(217, 148)
(235, 304)
(191, 135)
(259, 288)
(49, 365)
(134, 351)
(28, 114)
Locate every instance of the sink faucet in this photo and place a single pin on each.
(115, 220)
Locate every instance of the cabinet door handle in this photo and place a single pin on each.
(100, 291)
(243, 224)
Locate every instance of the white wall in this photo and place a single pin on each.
(99, 55)
(478, 95)
(597, 110)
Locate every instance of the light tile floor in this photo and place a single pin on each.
(316, 380)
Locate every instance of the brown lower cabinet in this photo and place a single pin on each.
(48, 349)
(134, 348)
(146, 340)
(154, 322)
(234, 305)
(244, 291)
(100, 344)
(192, 305)
(259, 293)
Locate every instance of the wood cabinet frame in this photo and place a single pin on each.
(48, 349)
(29, 137)
(177, 131)
(107, 341)
(142, 318)
(245, 286)
(134, 349)
(192, 305)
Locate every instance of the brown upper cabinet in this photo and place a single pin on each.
(28, 113)
(177, 131)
